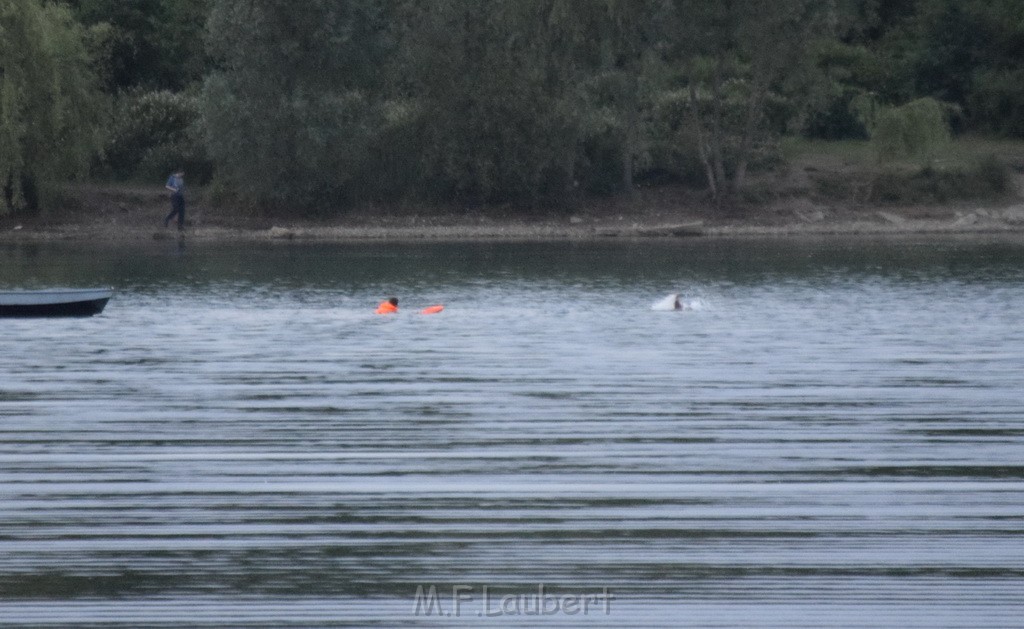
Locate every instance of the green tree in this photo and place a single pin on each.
(628, 35)
(970, 52)
(964, 52)
(295, 104)
(154, 132)
(736, 52)
(497, 97)
(148, 44)
(50, 107)
(529, 99)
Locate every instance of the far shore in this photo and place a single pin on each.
(125, 214)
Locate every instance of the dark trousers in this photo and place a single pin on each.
(177, 209)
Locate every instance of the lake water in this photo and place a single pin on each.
(832, 438)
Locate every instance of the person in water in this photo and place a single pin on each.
(176, 184)
(389, 306)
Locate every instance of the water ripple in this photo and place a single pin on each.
(822, 445)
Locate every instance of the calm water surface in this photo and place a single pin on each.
(834, 437)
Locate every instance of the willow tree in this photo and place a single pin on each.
(916, 130)
(51, 111)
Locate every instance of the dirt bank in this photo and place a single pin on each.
(131, 213)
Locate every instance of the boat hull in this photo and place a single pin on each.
(54, 303)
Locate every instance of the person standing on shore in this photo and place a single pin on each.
(176, 184)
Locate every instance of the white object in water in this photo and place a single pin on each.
(673, 302)
(668, 303)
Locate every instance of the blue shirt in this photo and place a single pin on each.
(177, 183)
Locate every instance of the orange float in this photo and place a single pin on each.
(387, 307)
(432, 309)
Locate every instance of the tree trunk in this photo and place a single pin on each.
(702, 147)
(717, 133)
(631, 132)
(757, 96)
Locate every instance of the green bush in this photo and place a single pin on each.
(599, 164)
(987, 178)
(836, 187)
(997, 104)
(155, 132)
(916, 130)
(993, 173)
(835, 120)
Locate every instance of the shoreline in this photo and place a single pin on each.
(118, 214)
(540, 231)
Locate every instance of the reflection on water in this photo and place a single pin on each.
(833, 439)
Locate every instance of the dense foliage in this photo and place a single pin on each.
(295, 103)
(50, 106)
(519, 100)
(322, 103)
(148, 44)
(155, 132)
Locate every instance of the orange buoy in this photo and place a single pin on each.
(432, 310)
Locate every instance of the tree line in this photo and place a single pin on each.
(321, 104)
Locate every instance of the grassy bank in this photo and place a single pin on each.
(969, 169)
(821, 188)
